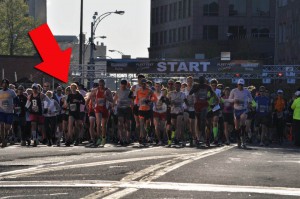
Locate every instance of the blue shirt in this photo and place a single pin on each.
(263, 104)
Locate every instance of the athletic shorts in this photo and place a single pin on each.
(125, 112)
(228, 117)
(104, 113)
(192, 114)
(37, 118)
(160, 116)
(65, 117)
(59, 118)
(92, 114)
(136, 110)
(6, 118)
(175, 115)
(238, 113)
(76, 116)
(212, 114)
(145, 114)
(262, 120)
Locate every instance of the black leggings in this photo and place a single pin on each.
(50, 127)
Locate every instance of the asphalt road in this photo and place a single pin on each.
(152, 172)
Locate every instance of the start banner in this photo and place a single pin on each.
(182, 66)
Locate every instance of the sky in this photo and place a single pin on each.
(128, 33)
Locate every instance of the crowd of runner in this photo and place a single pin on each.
(197, 112)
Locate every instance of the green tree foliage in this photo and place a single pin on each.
(15, 23)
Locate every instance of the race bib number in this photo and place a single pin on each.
(177, 110)
(159, 106)
(73, 107)
(35, 107)
(101, 102)
(279, 114)
(5, 103)
(262, 108)
(202, 95)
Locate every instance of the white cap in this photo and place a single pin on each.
(280, 91)
(241, 81)
(34, 85)
(297, 93)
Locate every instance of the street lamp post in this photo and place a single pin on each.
(117, 52)
(94, 25)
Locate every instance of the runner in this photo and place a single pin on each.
(203, 93)
(177, 99)
(36, 110)
(102, 96)
(74, 100)
(214, 112)
(278, 115)
(170, 130)
(190, 109)
(241, 98)
(262, 117)
(160, 112)
(58, 96)
(7, 97)
(134, 89)
(227, 114)
(51, 118)
(123, 100)
(20, 113)
(65, 116)
(143, 98)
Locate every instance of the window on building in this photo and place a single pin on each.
(237, 32)
(210, 32)
(153, 16)
(237, 7)
(261, 7)
(211, 8)
(260, 32)
(184, 8)
(161, 38)
(174, 35)
(170, 36)
(157, 15)
(165, 13)
(189, 33)
(179, 34)
(180, 9)
(183, 33)
(189, 8)
(175, 11)
(282, 3)
(161, 14)
(171, 12)
(165, 37)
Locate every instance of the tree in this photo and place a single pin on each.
(15, 23)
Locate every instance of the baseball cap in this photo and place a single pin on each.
(20, 87)
(124, 82)
(241, 81)
(34, 86)
(280, 91)
(297, 93)
(5, 81)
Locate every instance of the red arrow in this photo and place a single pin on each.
(56, 62)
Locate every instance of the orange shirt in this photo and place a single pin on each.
(279, 104)
(142, 96)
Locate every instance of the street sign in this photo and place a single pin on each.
(266, 81)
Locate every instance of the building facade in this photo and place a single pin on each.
(205, 28)
(38, 10)
(287, 32)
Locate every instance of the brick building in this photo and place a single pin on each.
(185, 28)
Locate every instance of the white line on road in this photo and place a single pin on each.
(136, 185)
(38, 196)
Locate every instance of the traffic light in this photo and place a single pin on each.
(238, 75)
(280, 74)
